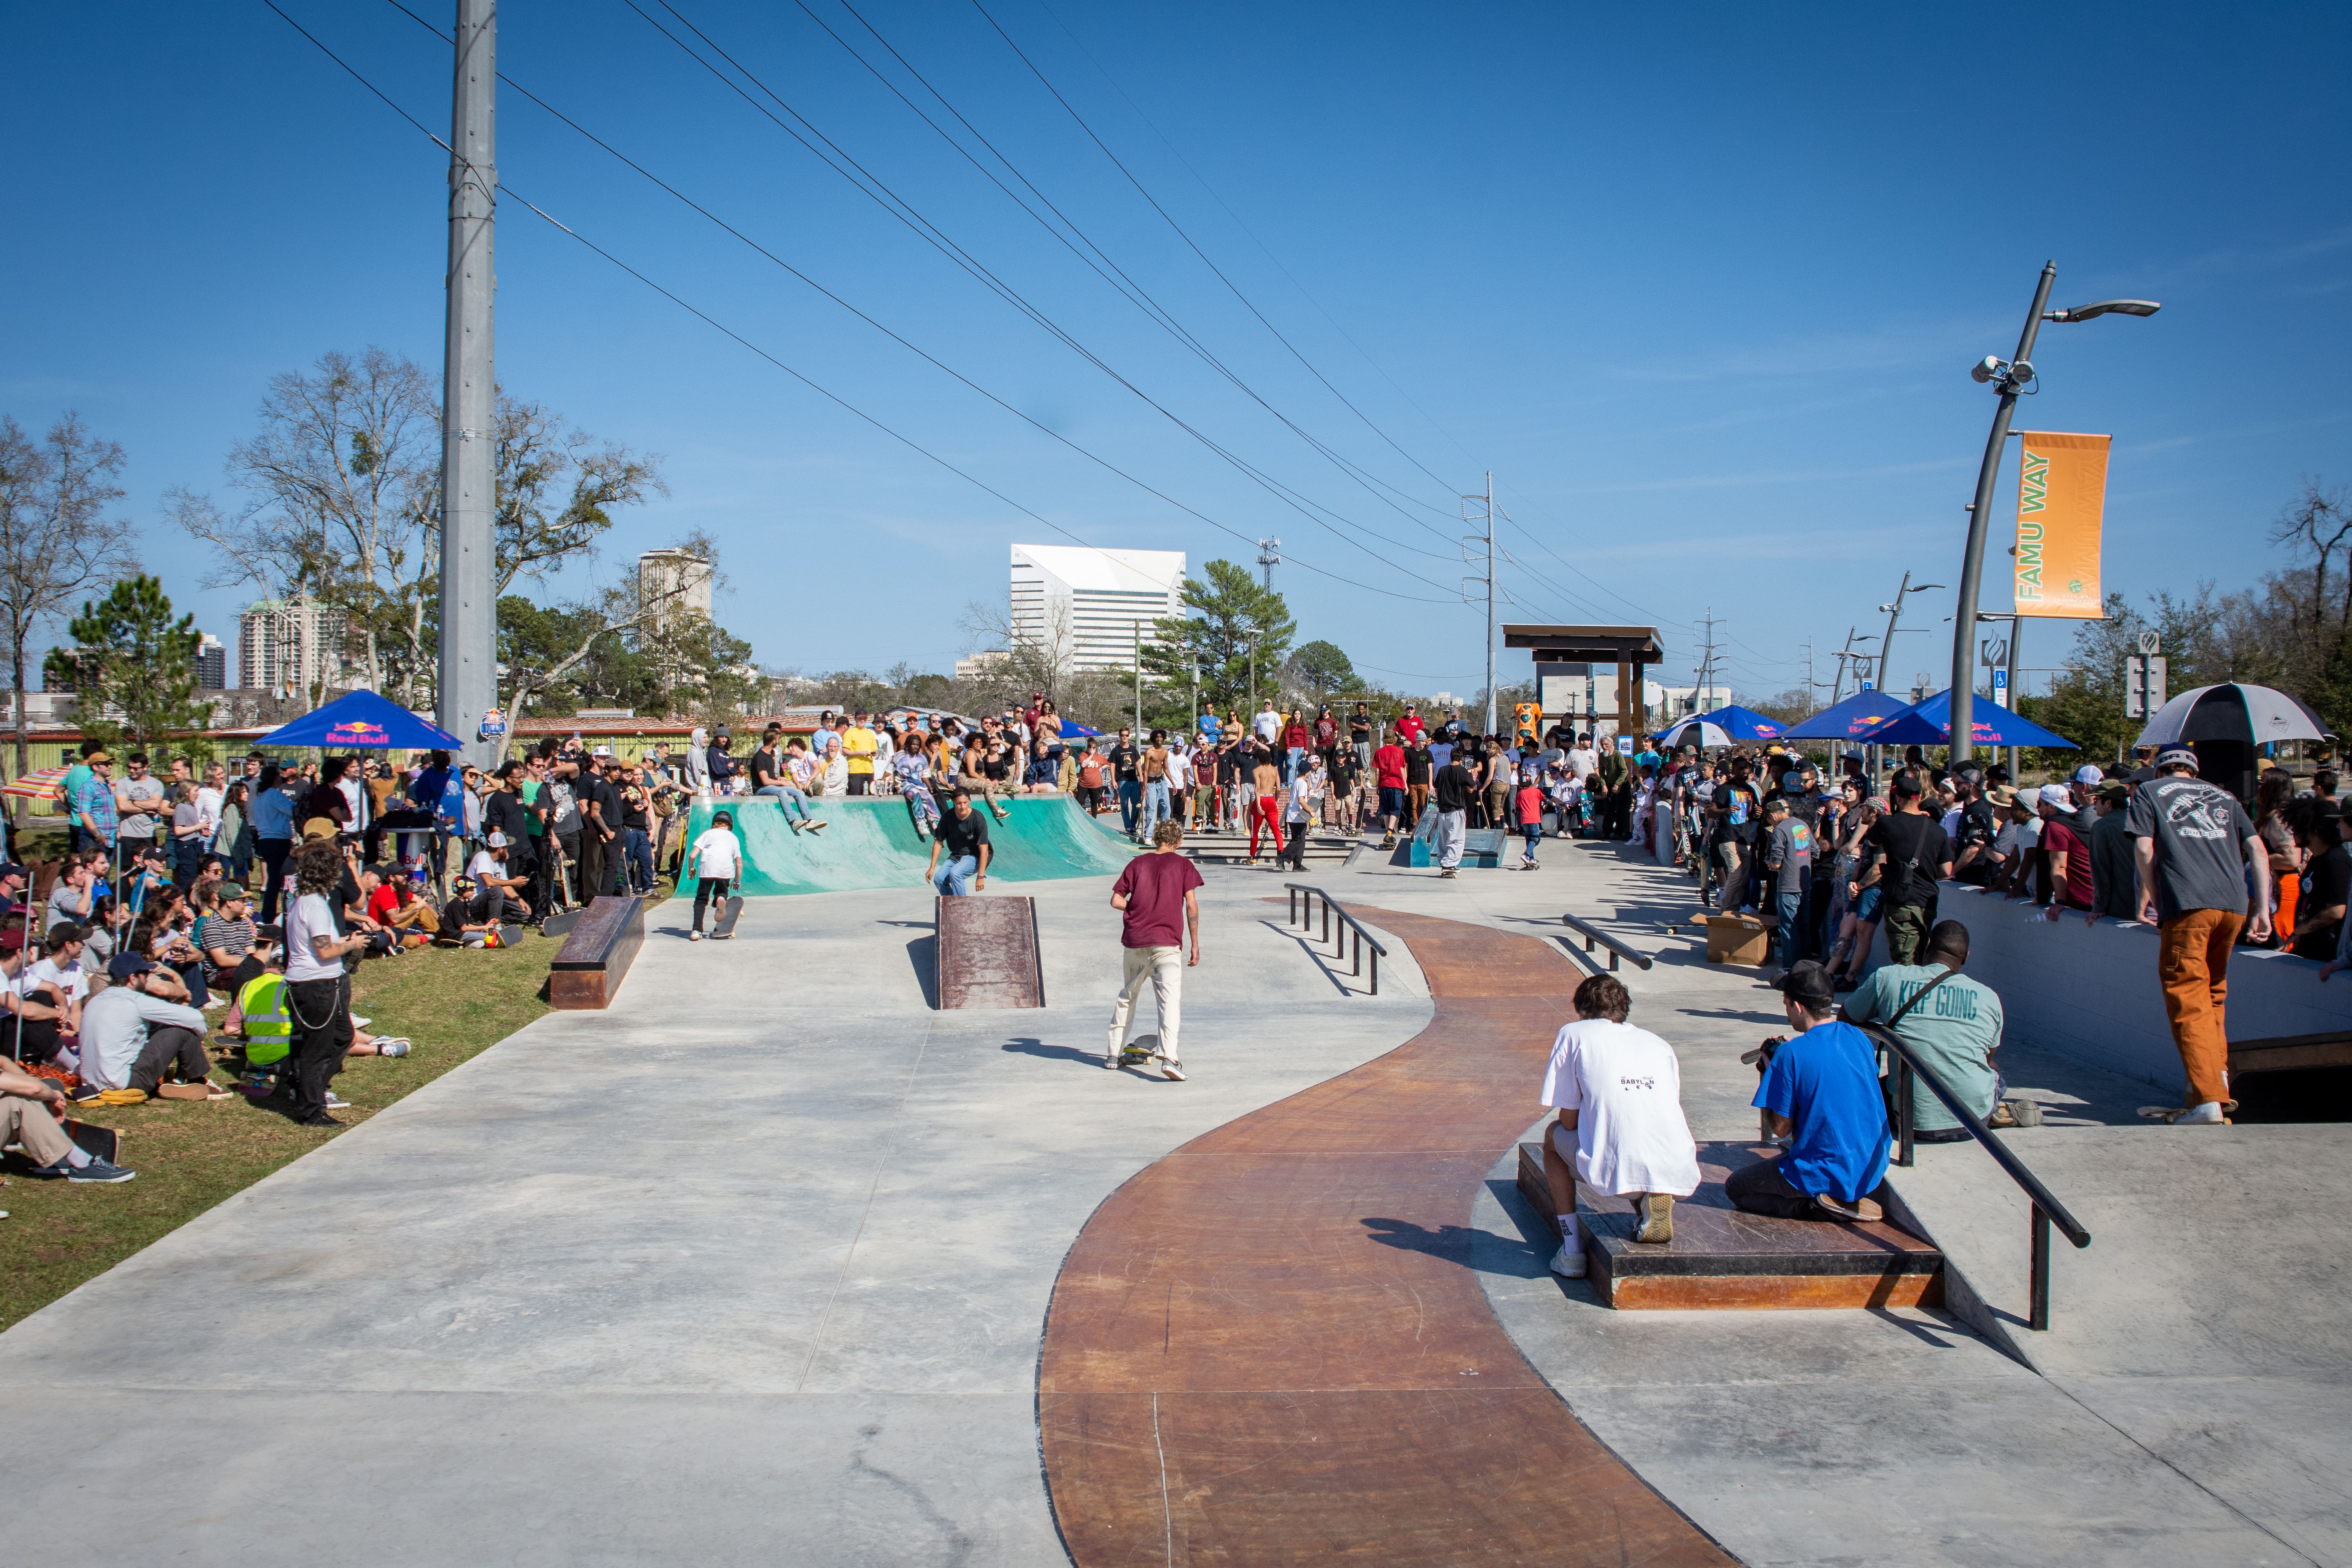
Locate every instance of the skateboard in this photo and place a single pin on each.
(724, 927)
(1142, 1052)
(97, 1142)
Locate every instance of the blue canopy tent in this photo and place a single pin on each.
(1930, 723)
(1072, 727)
(1858, 718)
(362, 722)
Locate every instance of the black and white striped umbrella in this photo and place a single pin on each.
(2233, 711)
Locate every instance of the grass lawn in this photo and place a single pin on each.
(191, 1155)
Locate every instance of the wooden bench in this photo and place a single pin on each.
(596, 953)
(1721, 1257)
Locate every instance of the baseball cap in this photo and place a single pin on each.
(602, 751)
(7, 871)
(123, 966)
(2175, 756)
(2088, 774)
(2056, 795)
(497, 840)
(231, 890)
(12, 939)
(1809, 983)
(1792, 779)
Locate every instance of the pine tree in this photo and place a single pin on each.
(132, 667)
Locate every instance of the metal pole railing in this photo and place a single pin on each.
(2046, 1208)
(1295, 891)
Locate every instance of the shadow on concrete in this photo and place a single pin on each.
(923, 952)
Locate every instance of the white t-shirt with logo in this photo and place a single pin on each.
(716, 853)
(1625, 1086)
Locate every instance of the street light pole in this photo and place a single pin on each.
(1964, 622)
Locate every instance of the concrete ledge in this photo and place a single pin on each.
(2090, 992)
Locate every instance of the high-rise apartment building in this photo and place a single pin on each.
(661, 572)
(212, 662)
(1089, 607)
(289, 645)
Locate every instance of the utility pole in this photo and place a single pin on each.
(1809, 678)
(1705, 671)
(468, 688)
(1490, 607)
(1845, 653)
(1886, 643)
(1484, 539)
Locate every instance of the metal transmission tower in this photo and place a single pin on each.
(1483, 518)
(468, 676)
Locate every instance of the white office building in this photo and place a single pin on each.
(289, 645)
(1090, 608)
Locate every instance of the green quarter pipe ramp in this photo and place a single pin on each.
(871, 842)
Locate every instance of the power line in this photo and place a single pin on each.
(1263, 250)
(1203, 255)
(931, 232)
(829, 395)
(1141, 297)
(921, 353)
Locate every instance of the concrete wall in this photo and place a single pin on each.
(2090, 992)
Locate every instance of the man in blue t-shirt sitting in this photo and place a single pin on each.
(1820, 1092)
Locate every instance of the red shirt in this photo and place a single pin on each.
(382, 904)
(1409, 726)
(2060, 837)
(1388, 764)
(1296, 737)
(1155, 885)
(1531, 804)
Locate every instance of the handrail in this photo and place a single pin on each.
(1346, 922)
(1616, 949)
(2046, 1207)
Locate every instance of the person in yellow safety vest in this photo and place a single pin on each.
(859, 743)
(261, 1004)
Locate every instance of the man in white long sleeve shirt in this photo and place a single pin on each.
(131, 1037)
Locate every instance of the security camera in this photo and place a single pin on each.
(1985, 369)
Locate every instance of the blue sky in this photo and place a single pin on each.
(1700, 285)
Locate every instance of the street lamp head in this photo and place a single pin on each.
(2106, 308)
(1985, 369)
(1923, 587)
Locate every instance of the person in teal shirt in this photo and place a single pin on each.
(1954, 1032)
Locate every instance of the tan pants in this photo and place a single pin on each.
(29, 1122)
(419, 915)
(1164, 967)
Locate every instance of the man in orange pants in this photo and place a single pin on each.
(1265, 801)
(2193, 844)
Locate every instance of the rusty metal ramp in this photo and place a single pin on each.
(987, 953)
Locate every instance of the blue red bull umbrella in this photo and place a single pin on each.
(362, 721)
(1858, 718)
(1930, 723)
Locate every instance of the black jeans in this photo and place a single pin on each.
(494, 901)
(595, 877)
(1760, 1188)
(705, 889)
(168, 1045)
(322, 1033)
(273, 859)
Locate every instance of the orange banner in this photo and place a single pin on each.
(2061, 492)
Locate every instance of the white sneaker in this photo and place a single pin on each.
(1567, 1263)
(360, 1022)
(2206, 1115)
(1172, 1071)
(1111, 1059)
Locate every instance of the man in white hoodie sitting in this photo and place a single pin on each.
(1618, 1090)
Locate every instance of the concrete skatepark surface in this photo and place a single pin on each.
(869, 841)
(756, 1265)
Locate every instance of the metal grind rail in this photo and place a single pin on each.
(2046, 1207)
(1301, 895)
(1592, 936)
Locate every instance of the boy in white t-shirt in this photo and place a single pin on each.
(715, 859)
(1618, 1090)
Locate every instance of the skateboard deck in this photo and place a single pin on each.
(725, 925)
(97, 1142)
